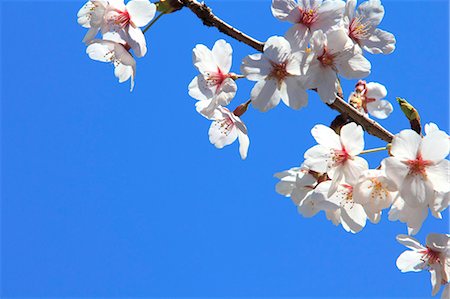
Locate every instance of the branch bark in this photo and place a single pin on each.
(204, 13)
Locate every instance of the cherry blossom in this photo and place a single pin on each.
(435, 257)
(215, 85)
(368, 99)
(337, 155)
(115, 52)
(308, 16)
(277, 73)
(299, 184)
(362, 24)
(226, 128)
(341, 206)
(418, 166)
(375, 192)
(413, 217)
(333, 54)
(91, 16)
(126, 20)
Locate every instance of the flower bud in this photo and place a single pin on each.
(241, 109)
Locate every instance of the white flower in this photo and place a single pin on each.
(126, 20)
(288, 179)
(375, 192)
(307, 17)
(116, 53)
(215, 85)
(362, 27)
(368, 98)
(91, 16)
(337, 155)
(299, 183)
(341, 207)
(418, 166)
(435, 256)
(277, 72)
(226, 128)
(331, 54)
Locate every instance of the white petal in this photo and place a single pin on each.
(328, 86)
(326, 136)
(438, 242)
(352, 138)
(293, 94)
(256, 67)
(410, 242)
(371, 11)
(203, 59)
(439, 175)
(222, 53)
(354, 216)
(416, 191)
(281, 9)
(395, 170)
(100, 51)
(436, 278)
(244, 143)
(405, 145)
(430, 127)
(199, 90)
(352, 66)
(380, 108)
(379, 42)
(265, 95)
(375, 90)
(435, 146)
(330, 14)
(141, 12)
(298, 36)
(350, 6)
(277, 49)
(316, 158)
(337, 40)
(410, 260)
(137, 41)
(220, 136)
(354, 168)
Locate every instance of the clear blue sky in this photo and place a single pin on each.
(116, 194)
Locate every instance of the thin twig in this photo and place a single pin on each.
(204, 13)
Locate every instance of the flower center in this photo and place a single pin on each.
(326, 59)
(378, 191)
(418, 166)
(431, 256)
(122, 19)
(225, 125)
(358, 29)
(216, 79)
(346, 195)
(308, 16)
(278, 71)
(339, 157)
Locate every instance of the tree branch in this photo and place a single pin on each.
(204, 13)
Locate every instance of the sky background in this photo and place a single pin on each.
(107, 193)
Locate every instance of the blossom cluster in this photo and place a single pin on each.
(434, 257)
(119, 25)
(327, 40)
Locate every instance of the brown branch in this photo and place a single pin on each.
(205, 14)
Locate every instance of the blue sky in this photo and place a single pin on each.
(107, 193)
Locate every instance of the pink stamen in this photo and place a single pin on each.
(359, 30)
(278, 71)
(308, 16)
(431, 256)
(326, 58)
(123, 19)
(340, 156)
(216, 79)
(418, 166)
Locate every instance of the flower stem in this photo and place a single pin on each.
(374, 150)
(152, 22)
